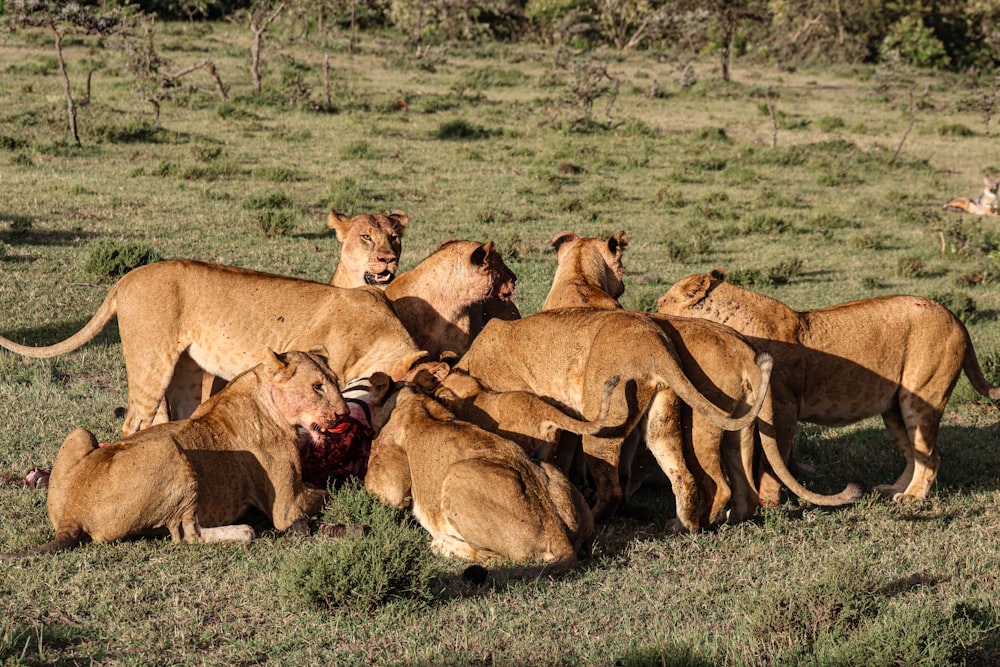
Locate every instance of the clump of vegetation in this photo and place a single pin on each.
(346, 195)
(272, 214)
(954, 130)
(393, 561)
(113, 259)
(869, 241)
(356, 150)
(461, 130)
(830, 123)
(779, 274)
(911, 266)
(760, 223)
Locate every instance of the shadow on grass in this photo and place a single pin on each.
(38, 237)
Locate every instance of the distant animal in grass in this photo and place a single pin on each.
(985, 204)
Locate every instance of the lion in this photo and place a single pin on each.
(564, 355)
(479, 495)
(441, 300)
(195, 477)
(519, 416)
(370, 245)
(220, 317)
(589, 271)
(894, 356)
(719, 361)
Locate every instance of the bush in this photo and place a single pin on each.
(392, 561)
(113, 259)
(915, 44)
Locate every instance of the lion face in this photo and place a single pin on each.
(370, 247)
(305, 393)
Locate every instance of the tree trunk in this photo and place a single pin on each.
(70, 104)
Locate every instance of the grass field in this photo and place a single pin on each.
(832, 194)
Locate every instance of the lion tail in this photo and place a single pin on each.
(974, 371)
(852, 492)
(107, 310)
(63, 541)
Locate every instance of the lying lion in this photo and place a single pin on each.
(220, 317)
(370, 245)
(718, 360)
(478, 495)
(442, 300)
(895, 356)
(196, 477)
(565, 356)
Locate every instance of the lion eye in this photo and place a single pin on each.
(319, 388)
(366, 237)
(394, 238)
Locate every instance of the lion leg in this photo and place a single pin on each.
(497, 508)
(603, 456)
(706, 445)
(893, 420)
(148, 376)
(388, 476)
(240, 532)
(184, 392)
(666, 442)
(922, 422)
(738, 456)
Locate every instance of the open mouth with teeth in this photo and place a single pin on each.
(383, 278)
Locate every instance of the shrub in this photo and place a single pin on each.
(461, 130)
(831, 123)
(392, 561)
(356, 150)
(112, 259)
(910, 266)
(274, 222)
(759, 223)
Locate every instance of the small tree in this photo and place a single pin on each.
(64, 18)
(260, 16)
(729, 16)
(153, 83)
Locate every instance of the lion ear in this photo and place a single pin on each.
(618, 243)
(275, 363)
(339, 223)
(480, 254)
(718, 273)
(696, 288)
(381, 386)
(561, 239)
(399, 220)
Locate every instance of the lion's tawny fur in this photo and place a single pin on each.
(220, 318)
(896, 356)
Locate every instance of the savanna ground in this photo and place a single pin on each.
(845, 204)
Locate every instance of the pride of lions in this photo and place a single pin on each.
(507, 437)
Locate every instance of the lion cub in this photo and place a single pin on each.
(196, 476)
(479, 496)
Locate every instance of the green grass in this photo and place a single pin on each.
(825, 216)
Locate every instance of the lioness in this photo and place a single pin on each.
(221, 316)
(589, 271)
(718, 360)
(440, 298)
(370, 245)
(477, 494)
(519, 416)
(239, 450)
(565, 355)
(895, 356)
